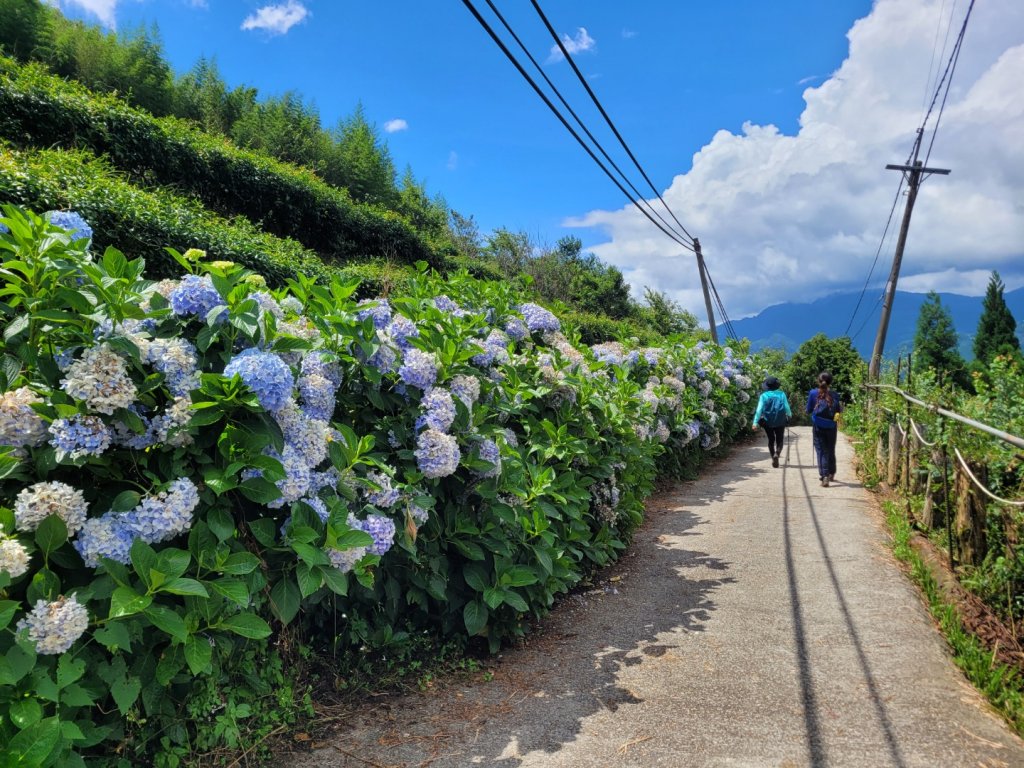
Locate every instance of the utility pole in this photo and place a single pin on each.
(914, 177)
(704, 286)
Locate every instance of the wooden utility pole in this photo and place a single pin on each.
(914, 173)
(704, 286)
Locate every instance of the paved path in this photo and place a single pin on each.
(757, 620)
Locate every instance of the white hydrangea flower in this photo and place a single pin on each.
(14, 557)
(37, 502)
(54, 627)
(20, 426)
(100, 378)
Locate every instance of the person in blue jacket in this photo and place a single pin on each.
(773, 414)
(823, 404)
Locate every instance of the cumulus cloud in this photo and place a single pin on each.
(393, 126)
(796, 217)
(581, 43)
(277, 19)
(103, 10)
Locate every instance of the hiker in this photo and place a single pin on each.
(773, 414)
(823, 404)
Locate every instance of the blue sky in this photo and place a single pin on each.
(727, 80)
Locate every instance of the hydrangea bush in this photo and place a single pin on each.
(197, 467)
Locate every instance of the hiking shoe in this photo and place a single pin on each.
(824, 482)
(832, 477)
(775, 461)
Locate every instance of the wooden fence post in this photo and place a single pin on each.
(894, 455)
(970, 514)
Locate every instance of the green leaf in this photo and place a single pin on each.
(25, 713)
(285, 599)
(233, 589)
(476, 576)
(76, 696)
(32, 746)
(335, 580)
(185, 587)
(143, 559)
(309, 579)
(168, 621)
(247, 625)
(45, 585)
(259, 490)
(16, 664)
(475, 616)
(311, 555)
(51, 534)
(493, 596)
(512, 598)
(126, 602)
(125, 691)
(518, 576)
(469, 548)
(173, 562)
(240, 563)
(125, 501)
(198, 653)
(69, 670)
(221, 523)
(264, 530)
(114, 636)
(7, 611)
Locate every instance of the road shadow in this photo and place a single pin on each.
(570, 668)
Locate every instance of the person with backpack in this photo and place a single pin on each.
(773, 414)
(823, 404)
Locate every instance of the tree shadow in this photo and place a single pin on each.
(570, 667)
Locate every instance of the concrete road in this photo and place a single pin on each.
(757, 620)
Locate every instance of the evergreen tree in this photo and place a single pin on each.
(820, 353)
(362, 162)
(997, 329)
(936, 342)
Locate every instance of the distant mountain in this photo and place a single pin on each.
(790, 325)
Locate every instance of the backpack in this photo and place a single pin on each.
(825, 409)
(774, 412)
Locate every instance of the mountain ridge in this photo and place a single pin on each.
(790, 324)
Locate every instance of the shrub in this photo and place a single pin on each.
(42, 110)
(195, 466)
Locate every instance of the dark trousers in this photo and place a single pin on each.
(775, 436)
(825, 447)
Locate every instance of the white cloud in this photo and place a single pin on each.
(277, 19)
(795, 217)
(629, 33)
(453, 160)
(393, 126)
(581, 43)
(104, 10)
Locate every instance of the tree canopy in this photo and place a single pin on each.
(997, 328)
(936, 344)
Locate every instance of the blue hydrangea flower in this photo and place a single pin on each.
(466, 388)
(495, 350)
(385, 359)
(80, 435)
(537, 318)
(317, 395)
(297, 477)
(438, 410)
(195, 295)
(54, 627)
(488, 451)
(316, 363)
(69, 220)
(329, 478)
(317, 505)
(178, 361)
(516, 329)
(166, 515)
(378, 309)
(105, 536)
(418, 369)
(437, 454)
(401, 329)
(384, 495)
(381, 528)
(264, 373)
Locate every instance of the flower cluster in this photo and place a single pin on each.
(14, 558)
(537, 318)
(380, 493)
(20, 426)
(264, 373)
(466, 388)
(487, 450)
(72, 222)
(37, 502)
(194, 295)
(437, 454)
(100, 378)
(54, 627)
(80, 436)
(438, 410)
(379, 310)
(380, 528)
(418, 369)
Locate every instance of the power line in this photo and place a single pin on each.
(515, 62)
(572, 112)
(604, 114)
(878, 251)
(730, 330)
(950, 69)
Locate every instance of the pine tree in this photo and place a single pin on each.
(936, 342)
(997, 329)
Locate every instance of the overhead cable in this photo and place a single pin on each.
(511, 57)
